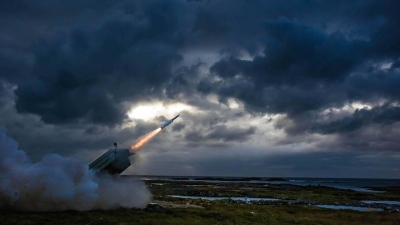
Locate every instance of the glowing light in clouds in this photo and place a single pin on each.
(150, 111)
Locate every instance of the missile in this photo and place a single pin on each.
(169, 122)
(115, 161)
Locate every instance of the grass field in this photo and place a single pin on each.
(213, 214)
(220, 212)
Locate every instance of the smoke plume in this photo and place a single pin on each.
(58, 183)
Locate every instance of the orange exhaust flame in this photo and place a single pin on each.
(142, 141)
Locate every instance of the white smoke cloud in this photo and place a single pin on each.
(58, 183)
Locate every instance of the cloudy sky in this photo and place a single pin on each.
(264, 88)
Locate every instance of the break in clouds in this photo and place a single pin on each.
(265, 77)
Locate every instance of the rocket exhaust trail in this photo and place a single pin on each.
(144, 140)
(115, 161)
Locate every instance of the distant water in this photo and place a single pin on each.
(382, 202)
(356, 184)
(221, 198)
(356, 208)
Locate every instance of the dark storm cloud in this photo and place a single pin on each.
(296, 73)
(178, 127)
(296, 55)
(305, 69)
(368, 84)
(40, 139)
(70, 70)
(115, 52)
(85, 75)
(209, 26)
(183, 81)
(226, 134)
(222, 133)
(371, 83)
(385, 38)
(13, 65)
(385, 115)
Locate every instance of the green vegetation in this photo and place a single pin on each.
(183, 211)
(318, 194)
(212, 214)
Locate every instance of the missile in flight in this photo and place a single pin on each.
(169, 122)
(115, 161)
